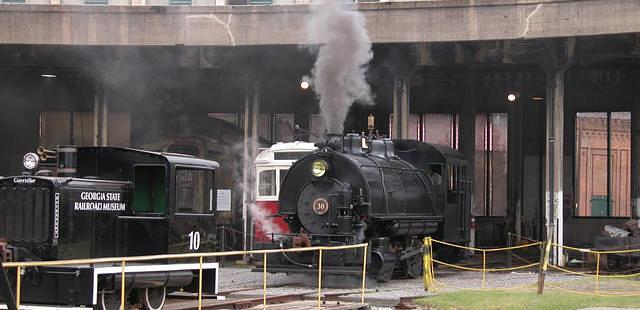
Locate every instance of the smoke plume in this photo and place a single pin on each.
(342, 60)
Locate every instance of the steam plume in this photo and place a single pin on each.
(264, 221)
(342, 60)
(256, 213)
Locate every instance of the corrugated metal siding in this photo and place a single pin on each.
(25, 213)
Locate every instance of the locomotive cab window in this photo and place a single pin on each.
(194, 191)
(454, 187)
(434, 171)
(149, 189)
(453, 178)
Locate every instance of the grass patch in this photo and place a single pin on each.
(552, 299)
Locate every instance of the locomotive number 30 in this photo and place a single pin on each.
(194, 240)
(320, 206)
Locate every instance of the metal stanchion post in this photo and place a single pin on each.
(5, 289)
(18, 284)
(223, 243)
(122, 291)
(320, 280)
(484, 267)
(264, 281)
(509, 253)
(364, 271)
(200, 285)
(597, 272)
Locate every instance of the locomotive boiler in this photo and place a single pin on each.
(91, 202)
(390, 194)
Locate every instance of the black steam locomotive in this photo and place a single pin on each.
(90, 202)
(390, 194)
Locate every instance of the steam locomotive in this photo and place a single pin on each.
(390, 194)
(90, 202)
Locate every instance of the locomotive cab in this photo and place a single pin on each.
(453, 190)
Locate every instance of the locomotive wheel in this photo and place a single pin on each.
(152, 298)
(613, 262)
(414, 266)
(109, 301)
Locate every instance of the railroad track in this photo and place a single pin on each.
(249, 302)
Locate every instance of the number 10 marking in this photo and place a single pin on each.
(194, 240)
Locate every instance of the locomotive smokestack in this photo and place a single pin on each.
(333, 141)
(67, 156)
(342, 60)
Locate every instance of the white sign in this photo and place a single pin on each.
(224, 200)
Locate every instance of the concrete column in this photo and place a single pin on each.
(104, 121)
(635, 145)
(467, 130)
(401, 107)
(100, 116)
(96, 115)
(554, 159)
(516, 163)
(559, 54)
(250, 148)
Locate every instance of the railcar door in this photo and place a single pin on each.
(145, 228)
(192, 220)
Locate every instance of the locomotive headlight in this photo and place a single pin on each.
(319, 168)
(31, 161)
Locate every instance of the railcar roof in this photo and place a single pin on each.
(268, 155)
(172, 158)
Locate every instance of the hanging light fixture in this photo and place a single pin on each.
(305, 82)
(48, 74)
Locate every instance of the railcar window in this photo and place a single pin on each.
(194, 191)
(289, 155)
(267, 183)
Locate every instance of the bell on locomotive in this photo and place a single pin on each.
(345, 194)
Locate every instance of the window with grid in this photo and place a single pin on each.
(603, 164)
(490, 164)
